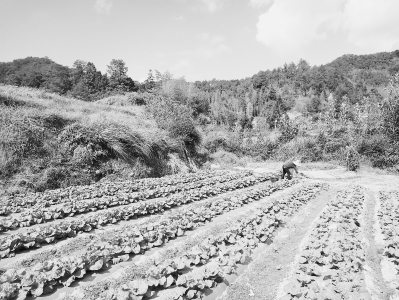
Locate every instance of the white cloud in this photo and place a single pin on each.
(213, 5)
(372, 24)
(259, 3)
(290, 27)
(179, 18)
(103, 6)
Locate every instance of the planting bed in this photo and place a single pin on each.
(330, 266)
(388, 217)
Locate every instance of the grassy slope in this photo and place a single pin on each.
(50, 141)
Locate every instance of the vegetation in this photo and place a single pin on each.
(82, 81)
(65, 126)
(352, 160)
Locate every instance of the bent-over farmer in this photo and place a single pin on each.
(289, 167)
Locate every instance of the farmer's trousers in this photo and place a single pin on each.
(288, 172)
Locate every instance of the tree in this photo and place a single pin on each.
(391, 110)
(315, 105)
(118, 79)
(90, 76)
(149, 83)
(88, 83)
(117, 71)
(78, 70)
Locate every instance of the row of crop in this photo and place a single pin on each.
(49, 233)
(330, 265)
(130, 240)
(226, 249)
(72, 193)
(388, 215)
(39, 214)
(123, 190)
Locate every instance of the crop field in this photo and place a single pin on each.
(207, 235)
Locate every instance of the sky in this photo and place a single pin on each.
(197, 39)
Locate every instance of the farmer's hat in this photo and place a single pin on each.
(297, 162)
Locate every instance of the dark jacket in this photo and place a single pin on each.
(290, 165)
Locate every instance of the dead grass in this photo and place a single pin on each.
(26, 98)
(227, 159)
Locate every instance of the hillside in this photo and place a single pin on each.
(49, 141)
(387, 61)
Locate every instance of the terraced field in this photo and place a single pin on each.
(211, 235)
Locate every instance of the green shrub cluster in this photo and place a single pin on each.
(176, 119)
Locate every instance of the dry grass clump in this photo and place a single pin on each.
(127, 99)
(227, 159)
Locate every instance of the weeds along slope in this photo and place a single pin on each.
(49, 141)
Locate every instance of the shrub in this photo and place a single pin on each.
(52, 178)
(185, 130)
(21, 136)
(337, 131)
(177, 119)
(334, 145)
(352, 159)
(215, 141)
(311, 150)
(385, 161)
(225, 158)
(83, 156)
(380, 149)
(305, 147)
(373, 146)
(288, 129)
(391, 110)
(125, 99)
(321, 139)
(259, 147)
